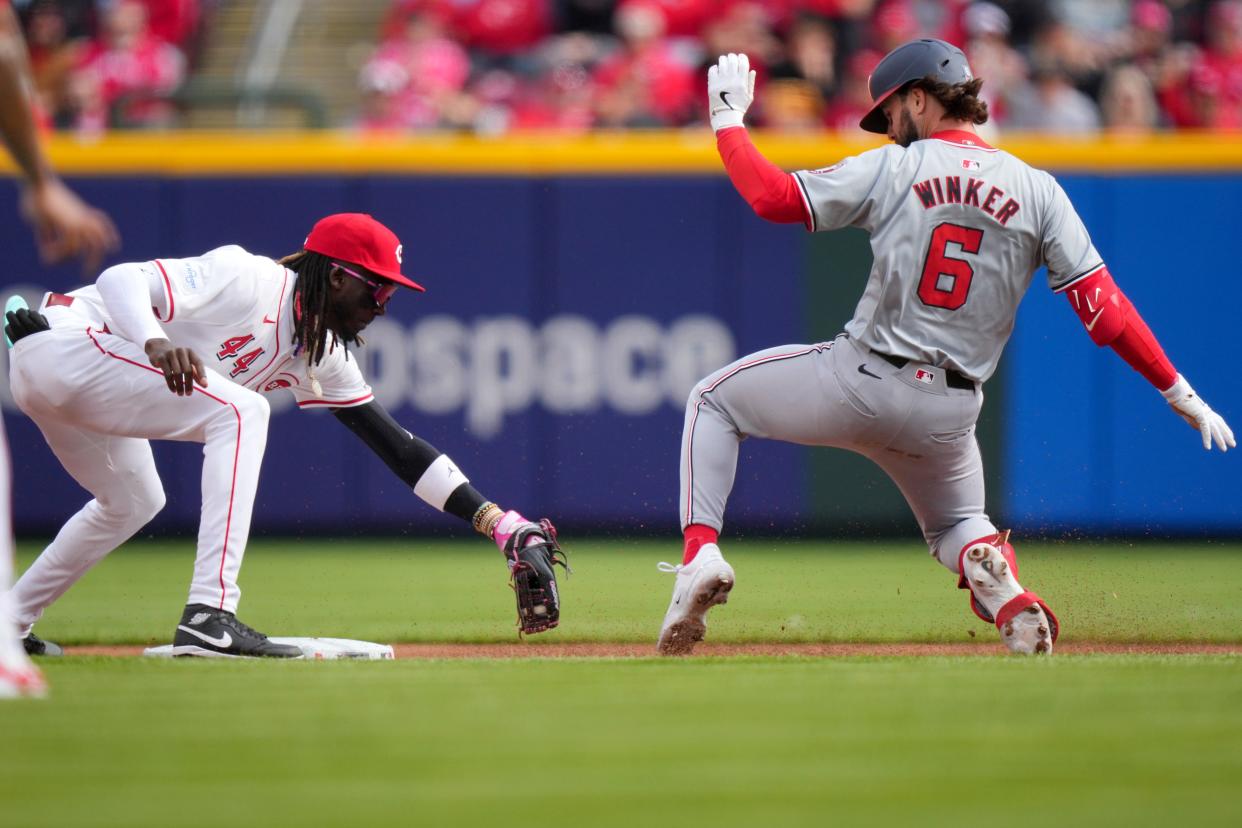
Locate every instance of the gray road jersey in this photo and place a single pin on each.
(958, 229)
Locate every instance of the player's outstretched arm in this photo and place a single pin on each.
(530, 548)
(435, 478)
(1112, 320)
(771, 192)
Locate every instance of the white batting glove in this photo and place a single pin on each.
(730, 90)
(1191, 407)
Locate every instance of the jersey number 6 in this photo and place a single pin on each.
(941, 268)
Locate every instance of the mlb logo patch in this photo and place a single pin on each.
(969, 164)
(926, 377)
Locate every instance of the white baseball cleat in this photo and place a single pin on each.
(701, 584)
(989, 570)
(19, 678)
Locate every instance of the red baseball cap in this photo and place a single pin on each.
(359, 239)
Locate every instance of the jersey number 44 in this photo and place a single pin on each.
(232, 347)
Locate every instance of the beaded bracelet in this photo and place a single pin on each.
(486, 517)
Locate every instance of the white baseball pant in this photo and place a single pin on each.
(10, 648)
(98, 400)
(914, 426)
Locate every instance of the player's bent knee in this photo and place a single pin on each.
(256, 407)
(134, 503)
(148, 502)
(697, 393)
(248, 410)
(243, 419)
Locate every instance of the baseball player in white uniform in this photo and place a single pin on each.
(958, 229)
(65, 227)
(188, 349)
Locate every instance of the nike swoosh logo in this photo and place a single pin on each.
(862, 369)
(1095, 319)
(269, 321)
(223, 641)
(724, 99)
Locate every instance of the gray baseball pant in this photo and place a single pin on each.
(914, 426)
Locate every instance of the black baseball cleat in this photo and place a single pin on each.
(36, 646)
(207, 631)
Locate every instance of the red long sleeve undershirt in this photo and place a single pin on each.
(1137, 345)
(1111, 319)
(770, 191)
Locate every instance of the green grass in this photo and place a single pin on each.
(981, 740)
(1076, 741)
(787, 591)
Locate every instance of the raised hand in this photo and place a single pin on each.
(730, 90)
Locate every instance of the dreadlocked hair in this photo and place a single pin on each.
(310, 299)
(960, 100)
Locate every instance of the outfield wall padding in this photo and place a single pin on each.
(569, 311)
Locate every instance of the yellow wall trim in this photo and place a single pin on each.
(690, 152)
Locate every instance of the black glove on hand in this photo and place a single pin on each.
(534, 582)
(24, 322)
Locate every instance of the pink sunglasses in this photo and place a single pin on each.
(381, 292)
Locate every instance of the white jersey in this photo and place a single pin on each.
(958, 230)
(235, 310)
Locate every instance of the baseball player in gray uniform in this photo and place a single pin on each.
(958, 229)
(187, 349)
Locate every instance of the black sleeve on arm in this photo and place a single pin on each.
(408, 456)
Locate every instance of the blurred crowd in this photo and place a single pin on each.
(102, 63)
(492, 66)
(1069, 66)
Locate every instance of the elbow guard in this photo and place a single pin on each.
(1110, 319)
(1101, 306)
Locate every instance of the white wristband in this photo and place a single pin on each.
(727, 118)
(439, 482)
(1179, 389)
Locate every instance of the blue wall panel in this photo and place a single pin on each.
(565, 322)
(1090, 445)
(567, 317)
